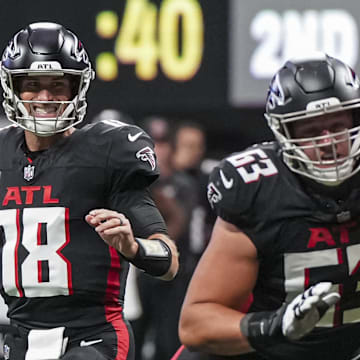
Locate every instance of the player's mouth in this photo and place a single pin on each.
(46, 111)
(330, 161)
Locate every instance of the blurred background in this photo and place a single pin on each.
(194, 74)
(207, 60)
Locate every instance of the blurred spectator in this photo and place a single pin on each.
(170, 190)
(189, 157)
(190, 147)
(189, 141)
(175, 194)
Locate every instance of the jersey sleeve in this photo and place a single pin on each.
(226, 193)
(132, 168)
(237, 184)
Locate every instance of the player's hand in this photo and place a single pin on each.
(115, 229)
(305, 311)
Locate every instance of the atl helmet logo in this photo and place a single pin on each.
(45, 65)
(147, 154)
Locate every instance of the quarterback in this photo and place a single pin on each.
(75, 208)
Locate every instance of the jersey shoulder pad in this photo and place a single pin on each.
(10, 130)
(131, 152)
(10, 138)
(236, 182)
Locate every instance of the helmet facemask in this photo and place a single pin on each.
(331, 169)
(68, 113)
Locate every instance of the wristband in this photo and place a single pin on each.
(263, 327)
(153, 256)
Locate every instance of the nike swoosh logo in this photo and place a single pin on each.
(133, 138)
(227, 183)
(90, 342)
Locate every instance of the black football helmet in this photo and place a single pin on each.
(49, 49)
(306, 88)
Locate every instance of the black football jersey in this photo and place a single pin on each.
(56, 270)
(301, 237)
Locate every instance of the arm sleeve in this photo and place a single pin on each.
(138, 206)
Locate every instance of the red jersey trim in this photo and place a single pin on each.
(113, 311)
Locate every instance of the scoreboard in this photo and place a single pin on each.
(169, 37)
(192, 55)
(158, 54)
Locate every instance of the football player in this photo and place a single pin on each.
(279, 279)
(75, 207)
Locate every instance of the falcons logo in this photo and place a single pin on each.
(79, 51)
(276, 93)
(147, 154)
(12, 50)
(213, 194)
(353, 79)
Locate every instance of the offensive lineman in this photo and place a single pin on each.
(279, 279)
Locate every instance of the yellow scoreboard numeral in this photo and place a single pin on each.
(142, 42)
(106, 24)
(136, 42)
(106, 66)
(181, 64)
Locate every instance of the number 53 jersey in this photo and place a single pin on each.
(56, 270)
(302, 236)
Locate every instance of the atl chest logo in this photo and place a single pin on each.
(329, 237)
(25, 195)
